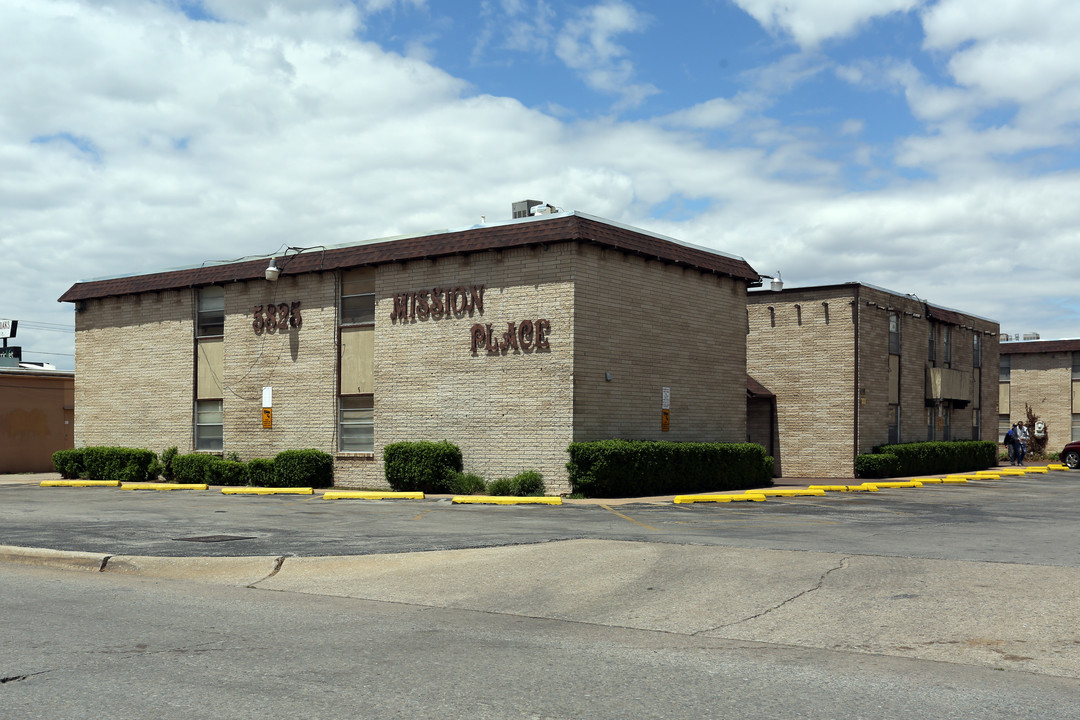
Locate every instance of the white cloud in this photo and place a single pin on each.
(587, 45)
(133, 138)
(811, 22)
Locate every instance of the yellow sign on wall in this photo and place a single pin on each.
(268, 418)
(665, 420)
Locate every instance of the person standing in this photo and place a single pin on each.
(1022, 437)
(1010, 444)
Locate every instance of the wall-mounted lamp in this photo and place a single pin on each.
(273, 272)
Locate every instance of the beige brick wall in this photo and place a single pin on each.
(1043, 381)
(810, 367)
(298, 364)
(135, 360)
(509, 411)
(652, 326)
(808, 363)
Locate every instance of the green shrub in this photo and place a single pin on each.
(230, 472)
(926, 458)
(634, 468)
(467, 484)
(117, 463)
(502, 486)
(69, 463)
(425, 466)
(260, 472)
(879, 465)
(166, 463)
(196, 468)
(528, 483)
(303, 468)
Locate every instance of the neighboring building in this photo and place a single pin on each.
(854, 366)
(511, 340)
(1045, 375)
(36, 417)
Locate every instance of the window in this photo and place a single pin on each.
(894, 333)
(1076, 365)
(945, 422)
(208, 425)
(1076, 426)
(1004, 425)
(976, 422)
(976, 350)
(358, 297)
(210, 316)
(931, 416)
(894, 424)
(947, 344)
(356, 424)
(1005, 368)
(932, 345)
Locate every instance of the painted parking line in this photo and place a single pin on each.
(371, 495)
(627, 517)
(80, 483)
(865, 487)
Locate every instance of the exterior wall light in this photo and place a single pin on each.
(272, 271)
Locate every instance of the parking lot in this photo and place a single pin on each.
(1023, 520)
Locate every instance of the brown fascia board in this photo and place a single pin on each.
(563, 227)
(1039, 346)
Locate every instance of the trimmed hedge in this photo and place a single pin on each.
(927, 458)
(197, 468)
(69, 463)
(635, 468)
(260, 472)
(303, 468)
(105, 463)
(425, 466)
(528, 483)
(881, 465)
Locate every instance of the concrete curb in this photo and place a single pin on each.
(79, 483)
(371, 495)
(505, 500)
(61, 559)
(746, 497)
(266, 491)
(163, 486)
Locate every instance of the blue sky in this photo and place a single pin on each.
(926, 146)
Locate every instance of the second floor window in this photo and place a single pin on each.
(210, 311)
(894, 333)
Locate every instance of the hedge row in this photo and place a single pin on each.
(927, 458)
(436, 468)
(635, 468)
(290, 468)
(106, 463)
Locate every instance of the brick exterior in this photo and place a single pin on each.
(135, 361)
(508, 411)
(654, 325)
(1042, 380)
(805, 346)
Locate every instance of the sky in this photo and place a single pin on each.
(928, 147)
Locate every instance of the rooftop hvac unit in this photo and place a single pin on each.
(521, 208)
(1029, 336)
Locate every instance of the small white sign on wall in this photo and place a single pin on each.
(268, 397)
(665, 398)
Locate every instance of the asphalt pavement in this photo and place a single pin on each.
(981, 574)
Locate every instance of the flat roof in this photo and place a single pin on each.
(524, 232)
(940, 313)
(1039, 346)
